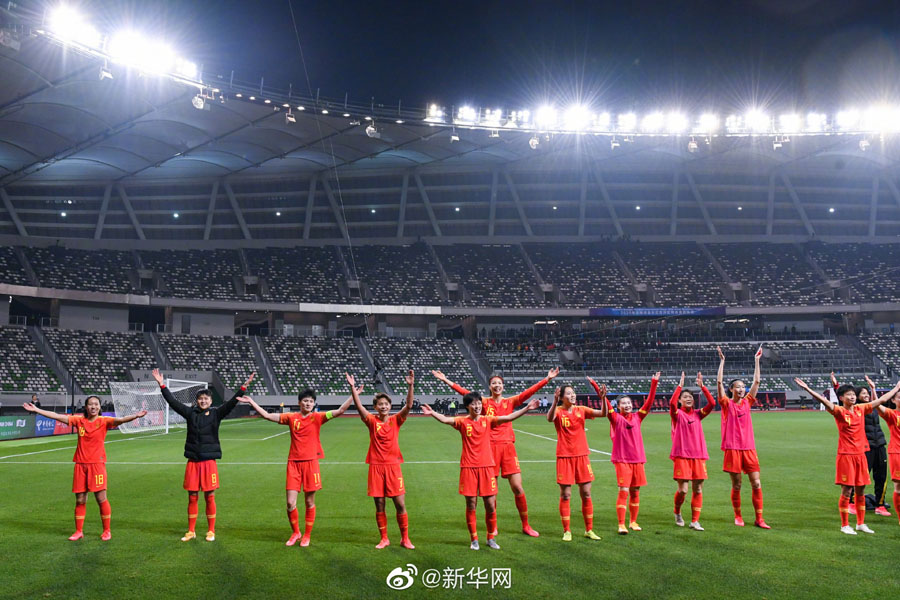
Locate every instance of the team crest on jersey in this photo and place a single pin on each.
(206, 413)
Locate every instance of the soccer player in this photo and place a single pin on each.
(303, 459)
(628, 455)
(384, 458)
(503, 438)
(89, 459)
(202, 449)
(477, 476)
(572, 462)
(851, 468)
(892, 417)
(689, 454)
(738, 442)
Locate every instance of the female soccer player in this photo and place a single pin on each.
(738, 442)
(851, 468)
(476, 464)
(384, 458)
(689, 453)
(503, 439)
(892, 417)
(303, 459)
(89, 459)
(202, 449)
(628, 456)
(572, 462)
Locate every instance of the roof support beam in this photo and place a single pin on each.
(310, 200)
(237, 211)
(699, 199)
(582, 203)
(335, 209)
(131, 214)
(799, 207)
(401, 220)
(104, 206)
(7, 203)
(893, 187)
(673, 217)
(873, 207)
(604, 193)
(211, 209)
(424, 195)
(770, 207)
(518, 202)
(492, 216)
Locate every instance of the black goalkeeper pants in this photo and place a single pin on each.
(877, 458)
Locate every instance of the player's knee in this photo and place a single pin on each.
(291, 506)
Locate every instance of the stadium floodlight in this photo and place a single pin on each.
(733, 123)
(881, 118)
(133, 49)
(847, 120)
(545, 117)
(454, 137)
(186, 68)
(757, 121)
(707, 123)
(627, 122)
(676, 122)
(62, 214)
(492, 117)
(534, 142)
(435, 114)
(198, 102)
(602, 121)
(815, 122)
(692, 145)
(577, 118)
(372, 132)
(466, 114)
(653, 122)
(789, 123)
(290, 118)
(69, 26)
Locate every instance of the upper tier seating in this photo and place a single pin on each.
(94, 358)
(398, 355)
(23, 368)
(308, 274)
(680, 273)
(316, 362)
(587, 275)
(231, 357)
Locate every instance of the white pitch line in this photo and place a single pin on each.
(276, 435)
(131, 439)
(554, 439)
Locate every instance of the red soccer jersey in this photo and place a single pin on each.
(305, 444)
(892, 417)
(476, 441)
(502, 433)
(570, 437)
(91, 435)
(384, 440)
(852, 428)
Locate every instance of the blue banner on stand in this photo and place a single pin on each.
(44, 426)
(708, 311)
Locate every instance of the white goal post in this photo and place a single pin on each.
(130, 397)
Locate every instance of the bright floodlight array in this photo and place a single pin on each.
(129, 48)
(579, 118)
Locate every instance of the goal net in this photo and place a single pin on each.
(130, 397)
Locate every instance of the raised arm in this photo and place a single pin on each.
(226, 408)
(46, 413)
(128, 418)
(456, 388)
(523, 396)
(816, 396)
(177, 406)
(604, 403)
(673, 402)
(720, 376)
(834, 382)
(515, 415)
(551, 414)
(331, 414)
(890, 394)
(651, 397)
(259, 409)
(427, 410)
(710, 401)
(410, 395)
(754, 387)
(363, 413)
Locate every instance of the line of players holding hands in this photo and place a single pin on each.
(488, 451)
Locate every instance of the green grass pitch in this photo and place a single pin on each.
(803, 556)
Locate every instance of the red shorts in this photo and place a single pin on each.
(385, 481)
(894, 466)
(477, 481)
(740, 461)
(851, 469)
(89, 477)
(689, 468)
(506, 460)
(573, 469)
(303, 475)
(630, 475)
(201, 475)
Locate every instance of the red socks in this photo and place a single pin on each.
(80, 511)
(491, 520)
(758, 503)
(105, 514)
(564, 513)
(897, 504)
(522, 507)
(696, 507)
(860, 509)
(635, 504)
(310, 520)
(403, 522)
(211, 512)
(472, 524)
(736, 502)
(679, 500)
(294, 519)
(621, 499)
(844, 508)
(192, 511)
(381, 521)
(587, 511)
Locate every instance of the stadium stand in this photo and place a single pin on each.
(73, 269)
(398, 355)
(397, 274)
(587, 275)
(230, 357)
(23, 368)
(886, 346)
(11, 270)
(871, 271)
(316, 362)
(196, 274)
(493, 275)
(94, 358)
(309, 274)
(679, 273)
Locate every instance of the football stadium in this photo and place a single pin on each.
(194, 257)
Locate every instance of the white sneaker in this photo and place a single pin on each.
(864, 528)
(474, 545)
(695, 525)
(493, 545)
(679, 520)
(848, 530)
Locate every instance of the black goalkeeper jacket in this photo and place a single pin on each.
(202, 441)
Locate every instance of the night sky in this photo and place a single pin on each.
(693, 56)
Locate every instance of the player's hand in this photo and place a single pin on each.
(552, 373)
(699, 379)
(141, 414)
(801, 383)
(350, 379)
(533, 404)
(359, 389)
(157, 376)
(249, 380)
(426, 410)
(29, 407)
(721, 354)
(592, 382)
(556, 394)
(870, 382)
(758, 354)
(245, 399)
(410, 378)
(681, 381)
(834, 381)
(602, 393)
(656, 376)
(437, 373)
